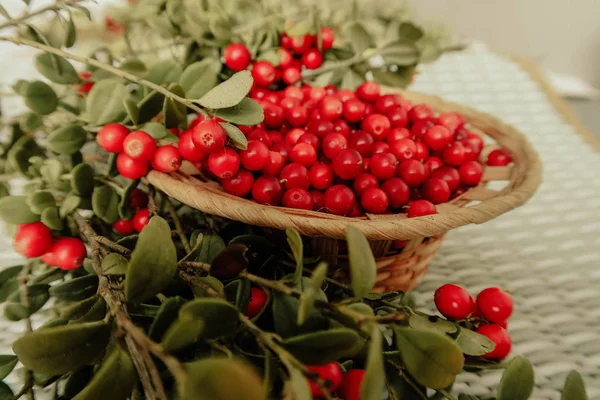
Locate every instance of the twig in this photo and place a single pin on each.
(178, 226)
(341, 64)
(26, 16)
(408, 380)
(152, 201)
(24, 294)
(124, 251)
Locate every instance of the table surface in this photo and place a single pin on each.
(545, 253)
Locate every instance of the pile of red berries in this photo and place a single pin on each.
(35, 240)
(490, 311)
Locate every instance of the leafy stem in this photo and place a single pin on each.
(59, 5)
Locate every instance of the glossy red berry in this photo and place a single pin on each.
(420, 208)
(362, 142)
(141, 219)
(139, 145)
(470, 173)
(454, 302)
(224, 163)
(318, 200)
(321, 176)
(398, 117)
(320, 127)
(188, 149)
(282, 148)
(298, 198)
(274, 115)
(275, 163)
(449, 174)
(286, 41)
(345, 94)
(422, 151)
(377, 125)
(294, 92)
(138, 199)
(419, 129)
(267, 190)
(33, 239)
(300, 44)
(368, 91)
(258, 300)
(209, 136)
(501, 339)
(351, 384)
(347, 164)
(330, 372)
(452, 121)
(333, 143)
(437, 137)
(341, 126)
(124, 227)
(495, 304)
(327, 38)
(397, 134)
(239, 184)
(499, 158)
(316, 93)
(303, 153)
(331, 108)
(294, 135)
(354, 110)
(255, 157)
(363, 182)
(436, 190)
(339, 200)
(68, 253)
(383, 165)
(374, 200)
(295, 175)
(413, 172)
(264, 73)
(237, 56)
(166, 159)
(111, 137)
(312, 59)
(454, 154)
(381, 147)
(397, 191)
(297, 116)
(420, 112)
(130, 168)
(403, 149)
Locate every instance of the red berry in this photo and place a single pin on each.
(138, 199)
(33, 239)
(351, 383)
(383, 165)
(141, 219)
(274, 115)
(436, 190)
(258, 93)
(130, 168)
(258, 299)
(209, 136)
(347, 164)
(341, 126)
(327, 38)
(470, 150)
(454, 302)
(403, 149)
(294, 93)
(298, 198)
(237, 56)
(339, 200)
(330, 372)
(419, 129)
(432, 163)
(420, 208)
(264, 73)
(188, 149)
(267, 190)
(354, 110)
(369, 109)
(398, 117)
(311, 139)
(363, 182)
(239, 184)
(288, 102)
(317, 93)
(362, 142)
(312, 59)
(501, 339)
(318, 200)
(297, 115)
(294, 135)
(303, 153)
(321, 176)
(255, 157)
(454, 154)
(139, 145)
(286, 41)
(68, 253)
(282, 148)
(397, 191)
(224, 163)
(495, 304)
(286, 59)
(275, 163)
(356, 211)
(381, 147)
(499, 158)
(420, 112)
(261, 135)
(166, 159)
(437, 137)
(295, 175)
(300, 44)
(320, 127)
(368, 91)
(449, 174)
(377, 125)
(474, 140)
(413, 172)
(386, 103)
(291, 75)
(422, 151)
(331, 108)
(333, 143)
(111, 137)
(374, 200)
(345, 94)
(452, 121)
(123, 227)
(397, 134)
(470, 173)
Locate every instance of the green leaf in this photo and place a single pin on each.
(211, 379)
(229, 93)
(205, 285)
(51, 218)
(79, 309)
(14, 210)
(174, 113)
(39, 201)
(150, 106)
(105, 202)
(82, 180)
(574, 388)
(8, 283)
(184, 332)
(40, 98)
(308, 297)
(301, 28)
(410, 31)
(359, 37)
(474, 344)
(104, 103)
(239, 293)
(166, 314)
(57, 32)
(62, 349)
(199, 77)
(153, 263)
(401, 53)
(125, 211)
(134, 66)
(77, 381)
(247, 112)
(220, 318)
(69, 204)
(271, 56)
(76, 289)
(114, 264)
(297, 385)
(210, 247)
(351, 80)
(373, 383)
(432, 323)
(114, 380)
(295, 241)
(67, 140)
(52, 170)
(64, 75)
(71, 30)
(7, 364)
(15, 310)
(164, 72)
(30, 122)
(517, 381)
(363, 269)
(5, 392)
(235, 135)
(156, 130)
(133, 112)
(400, 78)
(323, 347)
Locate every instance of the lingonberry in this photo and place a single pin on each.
(397, 191)
(347, 164)
(267, 190)
(452, 121)
(420, 112)
(139, 145)
(330, 372)
(294, 93)
(311, 139)
(470, 151)
(255, 157)
(368, 91)
(258, 299)
(386, 103)
(138, 199)
(199, 118)
(366, 164)
(369, 109)
(263, 73)
(275, 163)
(312, 59)
(188, 149)
(339, 200)
(499, 158)
(317, 93)
(291, 75)
(48, 259)
(345, 94)
(141, 219)
(298, 198)
(459, 192)
(436, 190)
(286, 58)
(333, 143)
(341, 126)
(474, 140)
(282, 148)
(33, 239)
(294, 135)
(374, 200)
(422, 151)
(470, 173)
(449, 174)
(501, 339)
(354, 110)
(383, 165)
(300, 44)
(224, 163)
(454, 154)
(303, 153)
(289, 102)
(403, 149)
(331, 108)
(237, 56)
(111, 137)
(420, 208)
(86, 84)
(274, 115)
(294, 176)
(363, 182)
(381, 147)
(209, 136)
(318, 200)
(320, 127)
(397, 134)
(362, 142)
(413, 172)
(377, 125)
(356, 211)
(437, 137)
(166, 159)
(286, 41)
(327, 38)
(419, 129)
(351, 384)
(123, 227)
(495, 304)
(398, 117)
(68, 253)
(239, 184)
(130, 168)
(296, 115)
(321, 176)
(330, 89)
(454, 302)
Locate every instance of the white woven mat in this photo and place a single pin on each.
(546, 253)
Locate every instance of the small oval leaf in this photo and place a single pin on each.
(517, 381)
(104, 103)
(14, 210)
(373, 383)
(114, 380)
(574, 388)
(323, 347)
(363, 270)
(228, 93)
(105, 203)
(67, 139)
(65, 74)
(247, 112)
(40, 98)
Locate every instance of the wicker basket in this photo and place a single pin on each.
(398, 269)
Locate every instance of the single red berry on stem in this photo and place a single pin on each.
(377, 125)
(267, 190)
(224, 163)
(188, 149)
(239, 184)
(123, 227)
(255, 157)
(139, 145)
(33, 239)
(397, 191)
(237, 56)
(454, 302)
(264, 73)
(495, 304)
(420, 208)
(312, 59)
(470, 173)
(501, 339)
(209, 136)
(295, 175)
(368, 91)
(111, 137)
(141, 219)
(499, 158)
(327, 38)
(351, 384)
(330, 372)
(436, 190)
(130, 168)
(321, 176)
(258, 299)
(413, 172)
(383, 165)
(298, 198)
(166, 159)
(68, 253)
(339, 200)
(363, 182)
(347, 164)
(374, 200)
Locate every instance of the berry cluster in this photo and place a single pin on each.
(35, 240)
(346, 384)
(138, 200)
(490, 311)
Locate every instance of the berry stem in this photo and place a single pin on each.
(59, 5)
(178, 226)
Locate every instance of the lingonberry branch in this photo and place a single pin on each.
(108, 68)
(178, 226)
(54, 7)
(308, 73)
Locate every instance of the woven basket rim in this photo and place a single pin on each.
(523, 176)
